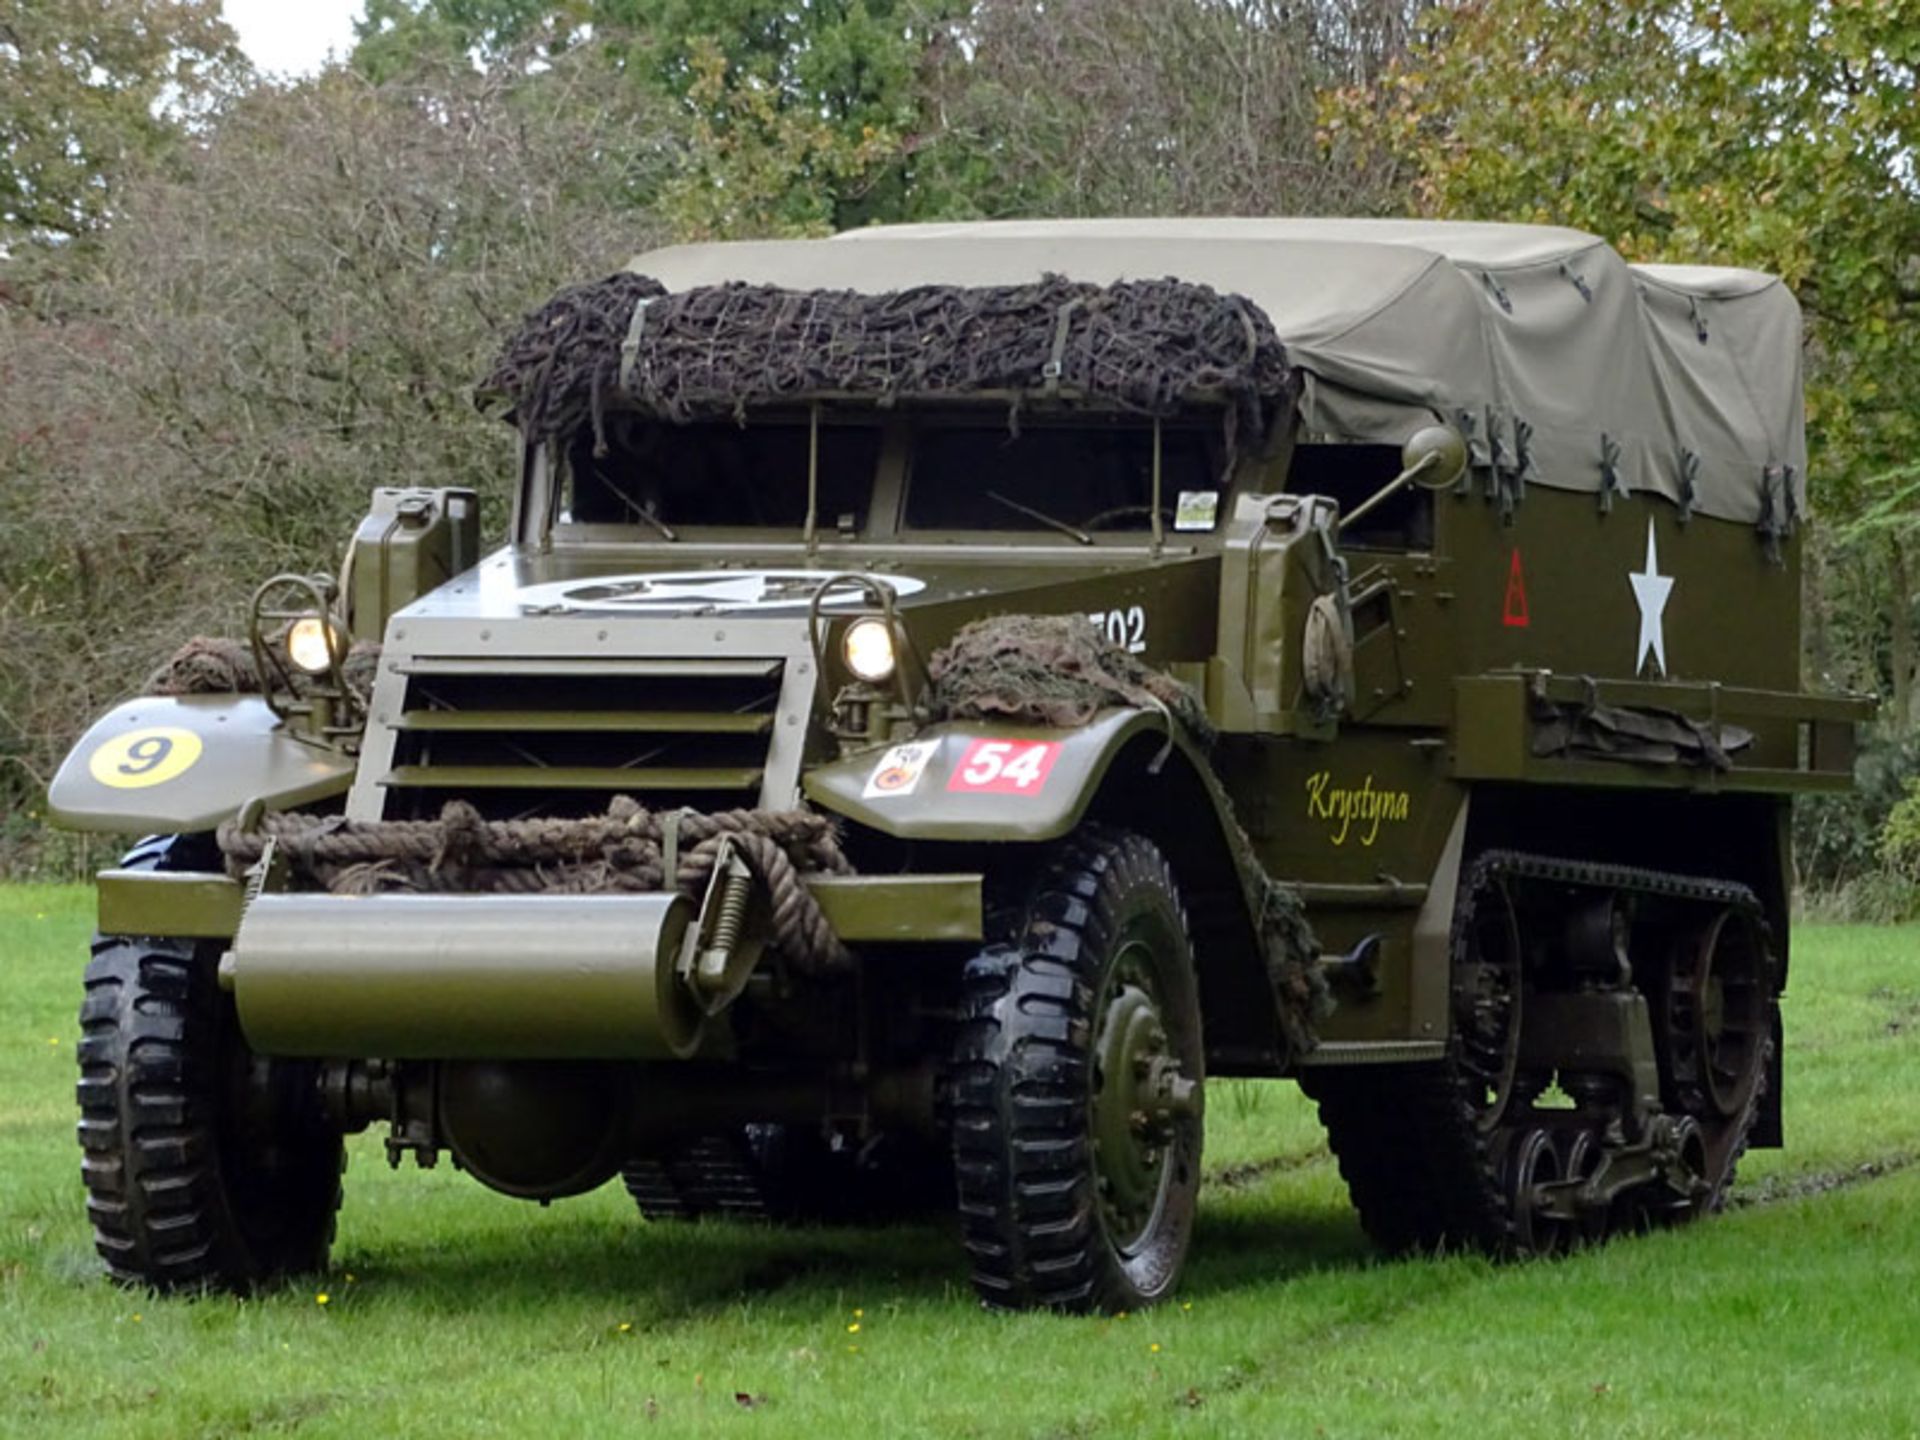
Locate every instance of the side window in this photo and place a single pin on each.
(1351, 474)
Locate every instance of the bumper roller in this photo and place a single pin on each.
(454, 977)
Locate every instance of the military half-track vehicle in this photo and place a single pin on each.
(946, 693)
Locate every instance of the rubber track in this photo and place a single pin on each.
(1419, 1171)
(714, 1175)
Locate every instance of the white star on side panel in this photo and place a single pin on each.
(1650, 592)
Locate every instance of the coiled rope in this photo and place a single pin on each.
(622, 852)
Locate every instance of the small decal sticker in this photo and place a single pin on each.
(1197, 510)
(145, 757)
(1005, 767)
(1344, 807)
(1516, 616)
(900, 769)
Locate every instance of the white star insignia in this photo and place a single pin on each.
(1651, 590)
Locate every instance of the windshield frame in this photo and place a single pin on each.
(539, 519)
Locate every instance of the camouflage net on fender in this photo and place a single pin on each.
(1050, 670)
(217, 665)
(621, 852)
(1061, 670)
(1148, 346)
(1300, 991)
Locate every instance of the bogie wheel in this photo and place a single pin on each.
(1077, 1088)
(1583, 1154)
(205, 1165)
(1719, 1017)
(1687, 1192)
(1534, 1160)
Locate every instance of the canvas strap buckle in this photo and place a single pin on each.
(630, 347)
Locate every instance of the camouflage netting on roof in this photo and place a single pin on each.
(1148, 346)
(1050, 670)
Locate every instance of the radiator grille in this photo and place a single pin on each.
(563, 738)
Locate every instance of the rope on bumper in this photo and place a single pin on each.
(621, 852)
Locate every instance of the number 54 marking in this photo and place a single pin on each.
(1005, 767)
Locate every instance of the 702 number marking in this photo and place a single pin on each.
(1126, 628)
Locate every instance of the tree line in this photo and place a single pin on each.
(229, 304)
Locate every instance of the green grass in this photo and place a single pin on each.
(452, 1311)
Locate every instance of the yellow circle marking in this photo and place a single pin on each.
(145, 757)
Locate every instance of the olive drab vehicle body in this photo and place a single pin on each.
(1413, 710)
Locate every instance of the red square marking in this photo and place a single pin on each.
(1005, 767)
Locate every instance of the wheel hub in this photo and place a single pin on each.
(1140, 1095)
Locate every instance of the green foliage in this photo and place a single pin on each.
(91, 91)
(258, 341)
(1855, 854)
(1900, 836)
(789, 119)
(393, 37)
(803, 118)
(1156, 107)
(756, 164)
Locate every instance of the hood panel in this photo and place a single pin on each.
(511, 585)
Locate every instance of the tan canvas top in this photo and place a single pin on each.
(1546, 347)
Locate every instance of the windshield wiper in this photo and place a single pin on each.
(642, 513)
(1045, 519)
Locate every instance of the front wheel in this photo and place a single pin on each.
(1077, 1088)
(206, 1166)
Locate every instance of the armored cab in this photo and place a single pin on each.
(948, 691)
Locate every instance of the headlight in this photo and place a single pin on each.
(311, 642)
(868, 648)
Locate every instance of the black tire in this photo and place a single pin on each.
(1052, 1205)
(206, 1167)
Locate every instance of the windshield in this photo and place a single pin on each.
(984, 477)
(881, 474)
(722, 475)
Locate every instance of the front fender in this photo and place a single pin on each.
(981, 780)
(186, 764)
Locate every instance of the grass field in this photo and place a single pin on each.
(451, 1311)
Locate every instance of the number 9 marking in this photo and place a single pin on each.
(145, 757)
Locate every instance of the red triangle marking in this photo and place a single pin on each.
(1516, 615)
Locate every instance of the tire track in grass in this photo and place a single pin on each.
(1248, 1172)
(1365, 1315)
(1372, 1313)
(1773, 1190)
(1776, 1189)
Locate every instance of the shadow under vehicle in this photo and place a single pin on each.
(947, 692)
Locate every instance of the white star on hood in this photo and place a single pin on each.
(1651, 590)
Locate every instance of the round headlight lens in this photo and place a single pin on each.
(310, 644)
(868, 648)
